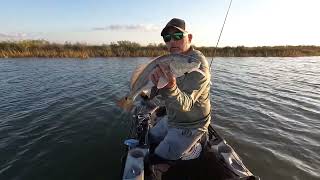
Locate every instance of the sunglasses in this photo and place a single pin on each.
(174, 36)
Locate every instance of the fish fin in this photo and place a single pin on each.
(197, 70)
(125, 103)
(162, 82)
(136, 73)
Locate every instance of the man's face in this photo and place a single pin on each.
(178, 46)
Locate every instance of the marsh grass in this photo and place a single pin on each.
(42, 48)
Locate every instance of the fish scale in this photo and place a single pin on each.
(179, 65)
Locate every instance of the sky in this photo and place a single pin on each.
(249, 23)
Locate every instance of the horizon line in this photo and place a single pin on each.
(151, 43)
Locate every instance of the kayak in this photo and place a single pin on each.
(216, 159)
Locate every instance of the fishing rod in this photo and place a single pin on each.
(210, 128)
(224, 22)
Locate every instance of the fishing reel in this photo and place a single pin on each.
(142, 115)
(142, 128)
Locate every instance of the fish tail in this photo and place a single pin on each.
(125, 103)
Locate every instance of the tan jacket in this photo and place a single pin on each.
(188, 103)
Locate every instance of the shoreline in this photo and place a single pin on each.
(45, 49)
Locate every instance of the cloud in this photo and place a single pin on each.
(13, 35)
(20, 36)
(130, 27)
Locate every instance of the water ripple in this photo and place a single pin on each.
(61, 114)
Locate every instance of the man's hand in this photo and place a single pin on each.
(163, 71)
(155, 75)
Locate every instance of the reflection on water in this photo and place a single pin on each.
(58, 118)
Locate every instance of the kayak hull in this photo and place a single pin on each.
(217, 160)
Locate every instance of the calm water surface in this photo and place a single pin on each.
(58, 118)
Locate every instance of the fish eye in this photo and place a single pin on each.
(189, 60)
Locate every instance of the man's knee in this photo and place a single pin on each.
(159, 131)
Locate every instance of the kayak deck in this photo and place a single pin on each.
(217, 160)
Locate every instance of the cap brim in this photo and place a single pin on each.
(164, 31)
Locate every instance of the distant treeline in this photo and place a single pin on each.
(41, 48)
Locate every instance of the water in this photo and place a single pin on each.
(58, 118)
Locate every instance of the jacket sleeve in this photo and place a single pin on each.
(194, 85)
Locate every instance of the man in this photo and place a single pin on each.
(186, 99)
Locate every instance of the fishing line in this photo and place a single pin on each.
(224, 22)
(210, 128)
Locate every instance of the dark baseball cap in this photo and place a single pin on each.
(176, 23)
